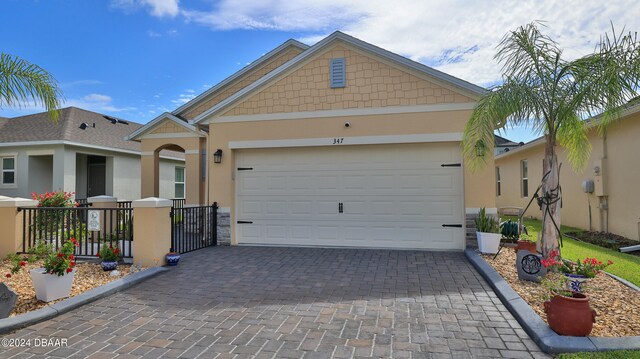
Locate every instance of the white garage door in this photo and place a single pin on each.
(374, 196)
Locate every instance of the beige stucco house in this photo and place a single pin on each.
(337, 144)
(603, 197)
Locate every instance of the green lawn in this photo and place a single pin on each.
(624, 265)
(618, 354)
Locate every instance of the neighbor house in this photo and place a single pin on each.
(84, 152)
(602, 197)
(337, 144)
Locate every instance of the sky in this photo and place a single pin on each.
(136, 59)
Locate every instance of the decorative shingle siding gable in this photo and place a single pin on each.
(217, 97)
(169, 127)
(370, 83)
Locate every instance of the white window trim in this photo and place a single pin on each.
(184, 182)
(14, 155)
(523, 178)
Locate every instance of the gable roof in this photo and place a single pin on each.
(467, 86)
(108, 131)
(503, 142)
(253, 65)
(135, 135)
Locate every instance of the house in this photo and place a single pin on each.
(603, 197)
(85, 152)
(337, 144)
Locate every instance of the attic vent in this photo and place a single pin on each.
(337, 76)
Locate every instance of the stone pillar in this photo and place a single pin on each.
(151, 231)
(224, 226)
(108, 219)
(11, 224)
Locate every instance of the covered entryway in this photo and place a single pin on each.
(374, 196)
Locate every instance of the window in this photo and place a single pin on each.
(179, 182)
(497, 181)
(337, 73)
(8, 170)
(524, 171)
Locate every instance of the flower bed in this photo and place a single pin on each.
(88, 276)
(617, 305)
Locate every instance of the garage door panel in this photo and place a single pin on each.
(394, 196)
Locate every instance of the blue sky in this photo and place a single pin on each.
(135, 59)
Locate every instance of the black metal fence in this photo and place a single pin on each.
(178, 202)
(124, 204)
(93, 228)
(193, 228)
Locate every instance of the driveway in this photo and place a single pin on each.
(251, 302)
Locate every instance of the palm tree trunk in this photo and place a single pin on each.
(551, 200)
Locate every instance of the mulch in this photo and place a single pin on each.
(88, 276)
(617, 306)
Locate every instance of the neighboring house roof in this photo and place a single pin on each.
(99, 130)
(469, 87)
(503, 142)
(253, 65)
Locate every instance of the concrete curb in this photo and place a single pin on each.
(48, 312)
(536, 328)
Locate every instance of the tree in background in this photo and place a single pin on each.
(22, 83)
(553, 96)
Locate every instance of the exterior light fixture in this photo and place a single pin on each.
(217, 156)
(480, 148)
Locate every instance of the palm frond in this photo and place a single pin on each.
(22, 83)
(572, 135)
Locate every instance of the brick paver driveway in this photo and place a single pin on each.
(244, 302)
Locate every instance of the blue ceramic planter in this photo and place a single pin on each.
(173, 258)
(109, 265)
(575, 281)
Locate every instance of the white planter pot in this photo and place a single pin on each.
(488, 242)
(50, 286)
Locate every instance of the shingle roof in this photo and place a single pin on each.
(38, 127)
(501, 141)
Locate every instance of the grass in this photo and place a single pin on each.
(617, 354)
(624, 265)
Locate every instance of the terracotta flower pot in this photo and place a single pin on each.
(570, 316)
(526, 245)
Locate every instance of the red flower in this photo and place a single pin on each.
(69, 270)
(71, 256)
(23, 263)
(8, 275)
(97, 254)
(116, 251)
(72, 264)
(60, 255)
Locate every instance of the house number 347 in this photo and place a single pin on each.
(337, 141)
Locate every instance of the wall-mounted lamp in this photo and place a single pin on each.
(480, 148)
(217, 156)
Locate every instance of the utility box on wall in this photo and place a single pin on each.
(599, 169)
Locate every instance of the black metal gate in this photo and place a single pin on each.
(193, 228)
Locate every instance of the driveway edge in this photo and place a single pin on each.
(53, 310)
(548, 340)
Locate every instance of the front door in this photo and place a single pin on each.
(96, 173)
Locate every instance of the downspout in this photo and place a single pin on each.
(604, 205)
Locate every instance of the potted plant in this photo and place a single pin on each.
(577, 272)
(487, 233)
(109, 256)
(172, 257)
(55, 280)
(568, 312)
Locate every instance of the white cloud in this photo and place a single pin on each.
(152, 33)
(457, 37)
(158, 8)
(98, 103)
(184, 97)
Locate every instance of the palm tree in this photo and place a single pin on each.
(22, 82)
(553, 96)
